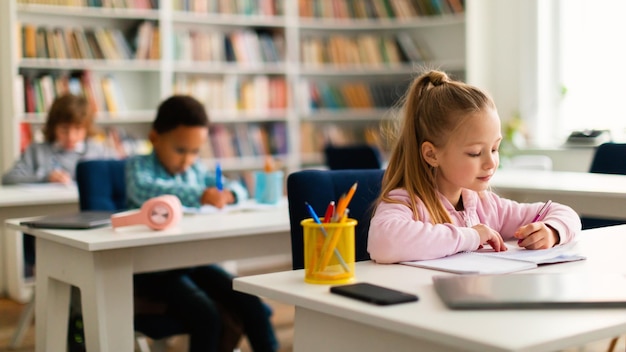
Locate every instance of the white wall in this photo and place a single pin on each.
(508, 57)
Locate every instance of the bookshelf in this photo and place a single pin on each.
(278, 77)
(358, 57)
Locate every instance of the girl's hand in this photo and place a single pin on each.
(59, 176)
(537, 235)
(217, 198)
(491, 237)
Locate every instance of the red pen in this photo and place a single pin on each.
(329, 211)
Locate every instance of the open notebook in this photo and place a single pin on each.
(490, 262)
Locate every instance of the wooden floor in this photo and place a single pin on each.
(282, 319)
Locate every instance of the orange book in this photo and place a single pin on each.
(30, 42)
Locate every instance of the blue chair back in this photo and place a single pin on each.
(101, 184)
(609, 158)
(318, 188)
(352, 157)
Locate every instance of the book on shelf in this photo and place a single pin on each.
(113, 97)
(144, 40)
(409, 47)
(490, 262)
(26, 136)
(29, 38)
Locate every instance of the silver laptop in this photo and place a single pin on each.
(77, 220)
(539, 290)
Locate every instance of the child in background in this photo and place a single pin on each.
(179, 131)
(435, 199)
(67, 133)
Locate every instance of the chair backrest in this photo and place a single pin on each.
(318, 188)
(352, 157)
(609, 158)
(101, 184)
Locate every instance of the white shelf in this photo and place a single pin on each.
(332, 24)
(77, 11)
(228, 20)
(355, 115)
(92, 65)
(195, 67)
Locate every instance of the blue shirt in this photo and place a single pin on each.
(147, 178)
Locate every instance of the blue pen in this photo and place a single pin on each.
(318, 221)
(218, 177)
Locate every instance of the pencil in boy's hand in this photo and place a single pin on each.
(344, 201)
(218, 177)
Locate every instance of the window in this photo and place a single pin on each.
(592, 62)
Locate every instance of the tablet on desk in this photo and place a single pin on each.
(540, 290)
(78, 220)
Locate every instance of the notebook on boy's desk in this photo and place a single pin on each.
(489, 262)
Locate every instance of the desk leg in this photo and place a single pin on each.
(105, 280)
(315, 331)
(107, 300)
(52, 304)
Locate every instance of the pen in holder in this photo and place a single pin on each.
(329, 251)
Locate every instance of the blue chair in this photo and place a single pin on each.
(609, 158)
(102, 186)
(318, 188)
(360, 156)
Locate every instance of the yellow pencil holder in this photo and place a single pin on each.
(328, 252)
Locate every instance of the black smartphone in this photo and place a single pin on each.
(374, 294)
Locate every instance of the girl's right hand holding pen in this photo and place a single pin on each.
(537, 235)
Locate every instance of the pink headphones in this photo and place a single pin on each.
(158, 213)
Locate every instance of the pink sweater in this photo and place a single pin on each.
(394, 235)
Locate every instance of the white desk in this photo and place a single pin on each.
(327, 322)
(101, 262)
(21, 201)
(589, 194)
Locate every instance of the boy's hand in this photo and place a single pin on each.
(536, 235)
(59, 176)
(491, 237)
(217, 198)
